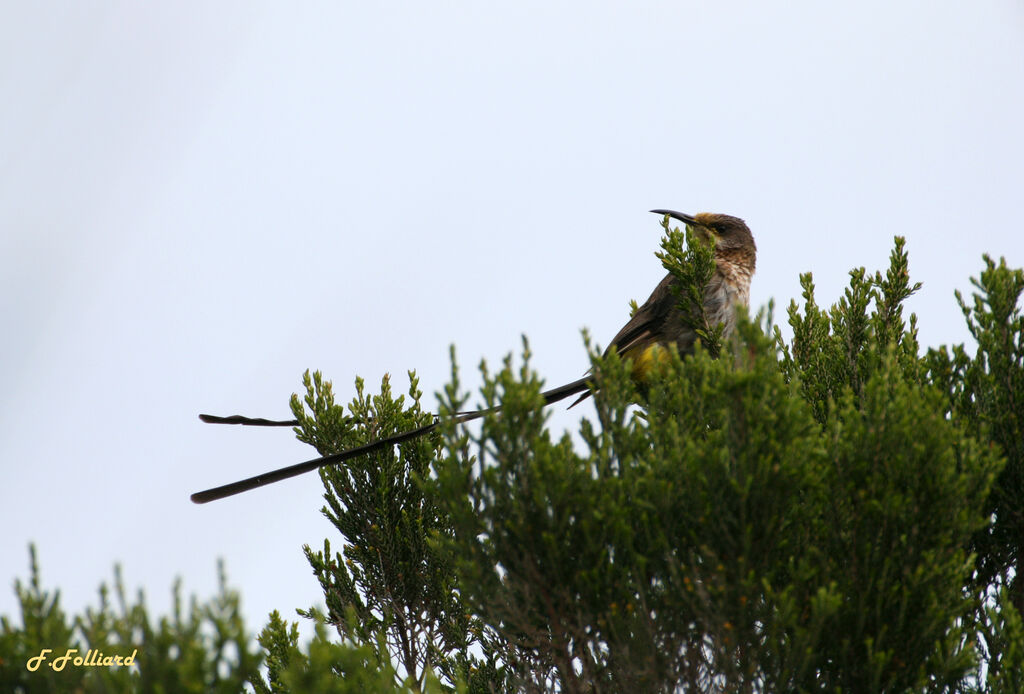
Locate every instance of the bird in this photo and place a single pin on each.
(645, 339)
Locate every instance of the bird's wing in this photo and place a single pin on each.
(647, 324)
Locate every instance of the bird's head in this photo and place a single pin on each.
(731, 234)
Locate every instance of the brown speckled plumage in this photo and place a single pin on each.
(659, 320)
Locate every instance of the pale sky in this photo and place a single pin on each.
(199, 201)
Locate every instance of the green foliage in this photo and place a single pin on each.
(833, 513)
(1003, 631)
(722, 539)
(796, 516)
(906, 488)
(329, 667)
(691, 259)
(986, 393)
(280, 642)
(207, 650)
(836, 351)
(860, 371)
(390, 593)
(640, 563)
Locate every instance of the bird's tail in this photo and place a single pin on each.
(248, 421)
(550, 396)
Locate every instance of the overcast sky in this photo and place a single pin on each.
(199, 201)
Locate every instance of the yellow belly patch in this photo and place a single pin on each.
(647, 361)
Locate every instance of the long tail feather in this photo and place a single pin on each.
(550, 396)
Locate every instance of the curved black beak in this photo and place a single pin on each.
(684, 218)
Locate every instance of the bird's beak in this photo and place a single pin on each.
(684, 218)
